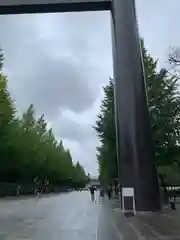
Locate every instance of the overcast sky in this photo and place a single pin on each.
(59, 62)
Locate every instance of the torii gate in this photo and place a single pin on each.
(134, 140)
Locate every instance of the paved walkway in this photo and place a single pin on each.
(72, 216)
(149, 226)
(68, 216)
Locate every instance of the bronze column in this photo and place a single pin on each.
(137, 166)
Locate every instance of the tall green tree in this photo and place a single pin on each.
(105, 128)
(28, 148)
(7, 120)
(164, 107)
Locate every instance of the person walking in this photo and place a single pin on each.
(109, 191)
(92, 190)
(37, 182)
(18, 190)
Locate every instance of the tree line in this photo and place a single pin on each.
(164, 107)
(28, 148)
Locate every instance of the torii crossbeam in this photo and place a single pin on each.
(134, 140)
(45, 6)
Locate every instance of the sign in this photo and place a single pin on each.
(128, 192)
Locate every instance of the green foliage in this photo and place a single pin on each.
(29, 149)
(164, 103)
(164, 107)
(105, 128)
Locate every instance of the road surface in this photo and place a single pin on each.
(68, 216)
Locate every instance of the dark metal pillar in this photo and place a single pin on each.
(137, 167)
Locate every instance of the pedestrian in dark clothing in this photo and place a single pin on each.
(92, 190)
(109, 192)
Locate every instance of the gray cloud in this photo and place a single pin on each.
(73, 131)
(159, 24)
(52, 73)
(80, 136)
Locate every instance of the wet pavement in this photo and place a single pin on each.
(66, 216)
(165, 226)
(72, 216)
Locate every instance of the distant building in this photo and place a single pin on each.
(94, 182)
